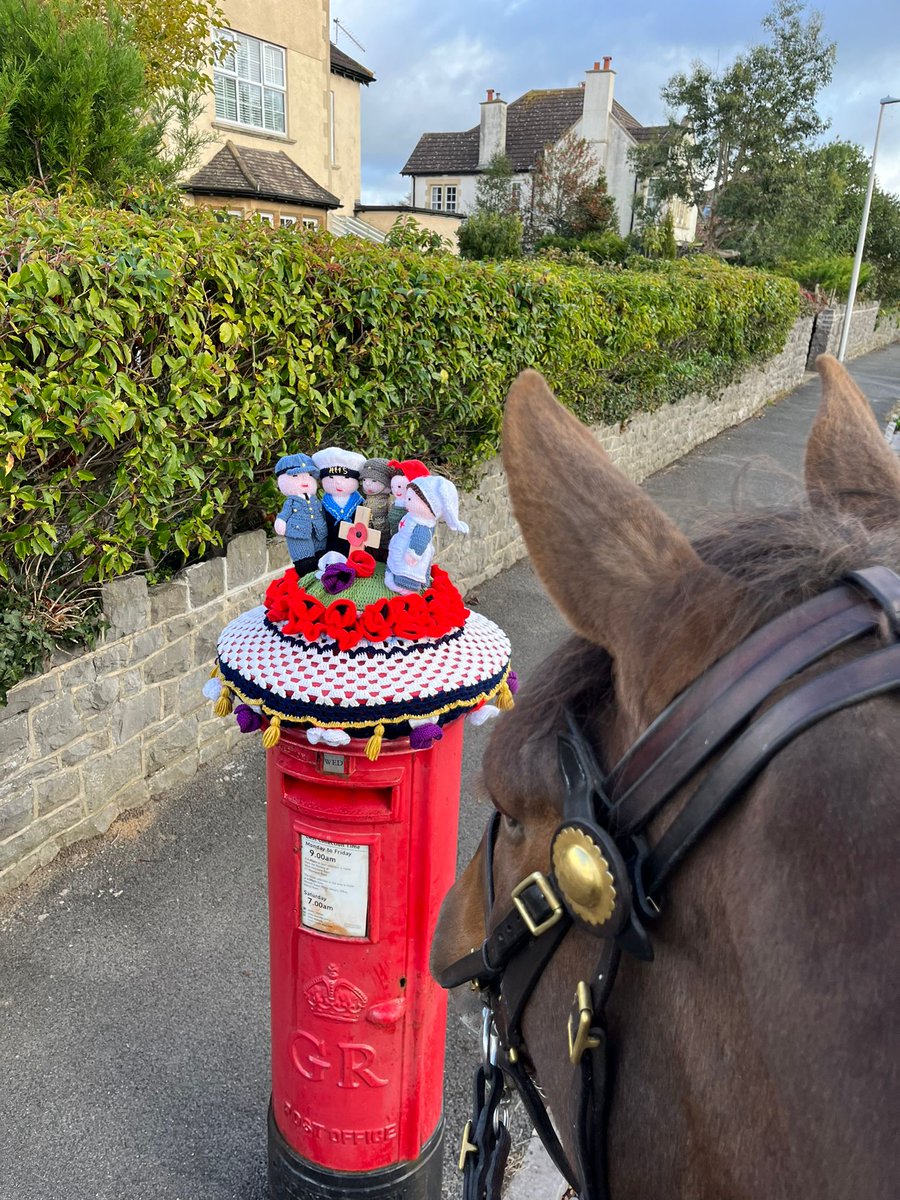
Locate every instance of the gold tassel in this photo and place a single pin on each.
(272, 736)
(215, 673)
(505, 697)
(223, 704)
(373, 745)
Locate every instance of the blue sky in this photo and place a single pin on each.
(434, 63)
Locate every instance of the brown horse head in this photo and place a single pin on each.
(752, 1057)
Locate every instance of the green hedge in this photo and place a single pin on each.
(153, 368)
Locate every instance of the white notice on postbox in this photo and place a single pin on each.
(334, 887)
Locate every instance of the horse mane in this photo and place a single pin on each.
(778, 558)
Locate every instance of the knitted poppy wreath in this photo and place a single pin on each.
(431, 614)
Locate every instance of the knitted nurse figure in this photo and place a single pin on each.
(301, 520)
(340, 482)
(375, 480)
(429, 500)
(405, 473)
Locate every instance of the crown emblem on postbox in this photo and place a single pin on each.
(333, 998)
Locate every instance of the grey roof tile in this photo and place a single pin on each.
(538, 117)
(343, 64)
(263, 174)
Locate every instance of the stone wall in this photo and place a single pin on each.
(110, 729)
(867, 332)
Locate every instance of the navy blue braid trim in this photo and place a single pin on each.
(371, 651)
(335, 714)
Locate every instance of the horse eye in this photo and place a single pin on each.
(512, 825)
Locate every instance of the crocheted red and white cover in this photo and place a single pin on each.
(390, 682)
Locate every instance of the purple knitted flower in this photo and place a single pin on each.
(513, 680)
(248, 720)
(337, 577)
(421, 736)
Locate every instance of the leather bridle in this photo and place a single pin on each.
(606, 878)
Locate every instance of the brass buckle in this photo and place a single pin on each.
(580, 1039)
(536, 929)
(468, 1146)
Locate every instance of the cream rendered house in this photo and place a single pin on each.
(285, 119)
(444, 167)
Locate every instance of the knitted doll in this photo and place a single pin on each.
(429, 499)
(375, 479)
(301, 520)
(404, 474)
(340, 483)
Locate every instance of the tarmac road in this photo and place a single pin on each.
(133, 971)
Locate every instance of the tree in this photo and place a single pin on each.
(77, 108)
(490, 235)
(594, 209)
(740, 127)
(76, 102)
(494, 190)
(563, 172)
(172, 36)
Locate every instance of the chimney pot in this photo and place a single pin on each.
(606, 61)
(490, 93)
(597, 65)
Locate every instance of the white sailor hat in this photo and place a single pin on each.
(334, 461)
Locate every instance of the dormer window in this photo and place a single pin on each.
(250, 84)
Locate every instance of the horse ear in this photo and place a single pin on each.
(849, 465)
(618, 569)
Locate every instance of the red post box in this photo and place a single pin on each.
(361, 854)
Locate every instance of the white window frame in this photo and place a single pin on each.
(267, 218)
(311, 223)
(285, 221)
(437, 194)
(450, 204)
(272, 65)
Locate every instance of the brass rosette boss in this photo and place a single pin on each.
(584, 877)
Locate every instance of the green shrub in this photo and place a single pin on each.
(490, 235)
(830, 276)
(153, 368)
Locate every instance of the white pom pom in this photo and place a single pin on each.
(212, 689)
(335, 737)
(314, 735)
(486, 713)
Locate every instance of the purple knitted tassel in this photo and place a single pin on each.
(248, 720)
(513, 680)
(421, 737)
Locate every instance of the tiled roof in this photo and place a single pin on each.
(343, 64)
(538, 117)
(264, 174)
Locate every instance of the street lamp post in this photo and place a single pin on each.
(861, 242)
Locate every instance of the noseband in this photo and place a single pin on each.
(606, 879)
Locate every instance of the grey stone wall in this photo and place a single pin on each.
(110, 729)
(867, 332)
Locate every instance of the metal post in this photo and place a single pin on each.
(861, 241)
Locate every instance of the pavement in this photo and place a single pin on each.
(134, 1037)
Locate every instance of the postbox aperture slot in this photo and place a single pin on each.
(321, 798)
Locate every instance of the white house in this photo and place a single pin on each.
(444, 167)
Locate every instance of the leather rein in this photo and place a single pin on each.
(606, 879)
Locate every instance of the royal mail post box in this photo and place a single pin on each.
(361, 854)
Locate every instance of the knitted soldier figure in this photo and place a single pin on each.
(375, 481)
(404, 474)
(301, 520)
(430, 499)
(340, 482)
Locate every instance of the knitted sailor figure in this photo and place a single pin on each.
(375, 480)
(405, 473)
(340, 482)
(301, 520)
(429, 499)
